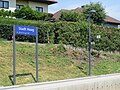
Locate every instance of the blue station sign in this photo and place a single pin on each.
(25, 30)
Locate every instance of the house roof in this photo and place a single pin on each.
(56, 15)
(109, 19)
(46, 1)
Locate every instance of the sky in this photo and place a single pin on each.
(112, 7)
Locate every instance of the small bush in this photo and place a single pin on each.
(61, 48)
(25, 13)
(71, 16)
(6, 13)
(29, 14)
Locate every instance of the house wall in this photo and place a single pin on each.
(33, 5)
(119, 26)
(12, 5)
(111, 25)
(22, 2)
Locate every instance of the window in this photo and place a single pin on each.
(4, 4)
(40, 9)
(19, 6)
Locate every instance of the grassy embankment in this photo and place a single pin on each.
(55, 63)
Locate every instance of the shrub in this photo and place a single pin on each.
(29, 14)
(25, 13)
(71, 16)
(61, 48)
(70, 33)
(6, 13)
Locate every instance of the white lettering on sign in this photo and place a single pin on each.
(29, 29)
(23, 29)
(26, 29)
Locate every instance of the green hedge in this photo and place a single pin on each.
(76, 34)
(70, 33)
(6, 29)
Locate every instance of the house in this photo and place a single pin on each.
(56, 15)
(108, 21)
(40, 5)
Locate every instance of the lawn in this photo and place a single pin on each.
(55, 63)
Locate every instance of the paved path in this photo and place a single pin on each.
(104, 82)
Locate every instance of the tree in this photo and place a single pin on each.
(71, 16)
(24, 13)
(97, 17)
(29, 14)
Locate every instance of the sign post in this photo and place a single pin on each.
(14, 56)
(24, 30)
(36, 54)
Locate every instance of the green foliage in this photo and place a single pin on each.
(6, 13)
(25, 13)
(71, 16)
(97, 17)
(69, 33)
(61, 48)
(29, 14)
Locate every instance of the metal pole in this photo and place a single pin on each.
(89, 47)
(14, 57)
(36, 54)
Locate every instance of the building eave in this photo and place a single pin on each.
(112, 22)
(49, 2)
(109, 19)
